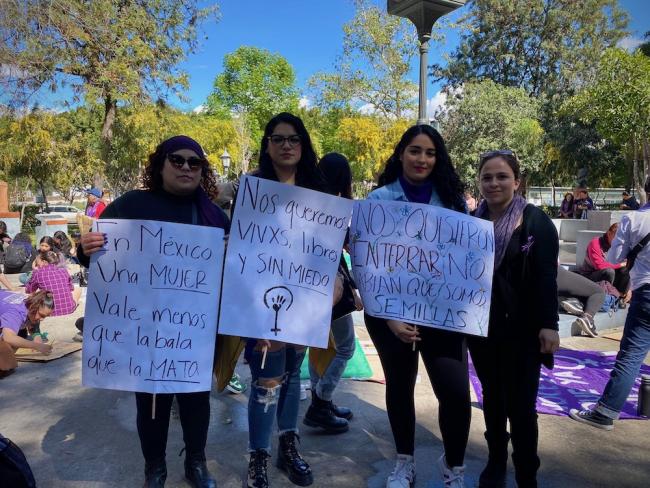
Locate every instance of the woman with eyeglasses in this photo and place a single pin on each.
(523, 325)
(420, 171)
(179, 185)
(287, 156)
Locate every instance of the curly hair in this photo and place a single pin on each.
(446, 181)
(307, 173)
(152, 174)
(38, 300)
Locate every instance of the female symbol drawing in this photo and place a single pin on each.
(280, 297)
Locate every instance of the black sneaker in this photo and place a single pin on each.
(587, 325)
(572, 306)
(593, 418)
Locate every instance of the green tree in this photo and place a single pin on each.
(544, 46)
(255, 83)
(486, 116)
(618, 104)
(374, 66)
(108, 51)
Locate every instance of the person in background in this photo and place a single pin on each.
(566, 207)
(597, 268)
(470, 201)
(20, 319)
(571, 285)
(420, 171)
(19, 255)
(178, 186)
(635, 344)
(94, 205)
(523, 325)
(5, 239)
(63, 245)
(51, 277)
(323, 412)
(629, 202)
(582, 205)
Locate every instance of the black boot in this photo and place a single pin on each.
(321, 414)
(155, 474)
(290, 461)
(196, 471)
(494, 474)
(341, 412)
(257, 475)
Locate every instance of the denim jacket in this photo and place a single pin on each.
(394, 191)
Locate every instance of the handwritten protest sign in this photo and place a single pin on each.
(151, 307)
(423, 265)
(283, 253)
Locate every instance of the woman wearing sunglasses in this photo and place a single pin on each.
(522, 332)
(179, 185)
(420, 171)
(287, 156)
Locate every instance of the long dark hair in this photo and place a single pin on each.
(65, 246)
(49, 241)
(152, 173)
(307, 173)
(38, 300)
(338, 175)
(446, 181)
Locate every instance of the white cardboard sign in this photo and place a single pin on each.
(283, 254)
(151, 307)
(423, 265)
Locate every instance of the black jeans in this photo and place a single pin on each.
(509, 371)
(619, 277)
(194, 412)
(445, 357)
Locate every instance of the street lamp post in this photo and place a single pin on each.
(225, 162)
(423, 13)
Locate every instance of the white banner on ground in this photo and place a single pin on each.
(151, 307)
(423, 265)
(283, 254)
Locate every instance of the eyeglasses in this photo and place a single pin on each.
(293, 140)
(498, 152)
(179, 161)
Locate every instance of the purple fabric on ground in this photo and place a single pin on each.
(577, 381)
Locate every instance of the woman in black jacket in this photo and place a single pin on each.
(178, 186)
(523, 324)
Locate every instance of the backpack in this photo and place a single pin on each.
(610, 305)
(15, 256)
(14, 468)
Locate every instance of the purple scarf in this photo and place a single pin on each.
(504, 226)
(211, 215)
(417, 193)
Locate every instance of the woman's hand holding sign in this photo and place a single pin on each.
(406, 333)
(92, 242)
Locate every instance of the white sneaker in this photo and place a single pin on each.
(403, 476)
(454, 477)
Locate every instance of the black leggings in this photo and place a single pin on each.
(509, 371)
(445, 357)
(194, 412)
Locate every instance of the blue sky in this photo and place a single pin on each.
(308, 33)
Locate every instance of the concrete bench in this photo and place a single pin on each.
(569, 228)
(602, 320)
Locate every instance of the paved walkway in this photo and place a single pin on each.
(80, 437)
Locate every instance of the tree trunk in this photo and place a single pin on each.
(42, 187)
(635, 171)
(110, 112)
(646, 166)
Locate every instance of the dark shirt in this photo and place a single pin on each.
(524, 289)
(153, 205)
(631, 203)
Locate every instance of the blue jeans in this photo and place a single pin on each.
(343, 332)
(268, 402)
(634, 347)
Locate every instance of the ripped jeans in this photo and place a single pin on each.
(268, 402)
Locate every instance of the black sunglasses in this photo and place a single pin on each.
(179, 161)
(498, 152)
(293, 140)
